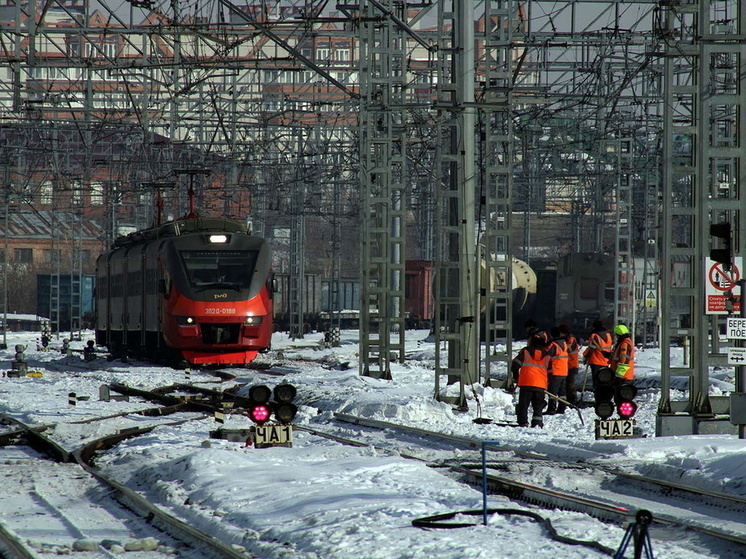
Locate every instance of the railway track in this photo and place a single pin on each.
(83, 509)
(604, 493)
(508, 468)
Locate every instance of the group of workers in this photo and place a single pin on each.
(550, 364)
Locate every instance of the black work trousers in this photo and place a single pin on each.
(533, 397)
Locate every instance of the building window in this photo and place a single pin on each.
(97, 193)
(51, 255)
(46, 193)
(23, 255)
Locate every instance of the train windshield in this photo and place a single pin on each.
(220, 268)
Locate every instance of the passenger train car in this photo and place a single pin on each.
(195, 290)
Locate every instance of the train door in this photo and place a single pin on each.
(103, 308)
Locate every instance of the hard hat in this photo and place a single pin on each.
(621, 329)
(539, 339)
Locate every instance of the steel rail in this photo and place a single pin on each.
(208, 545)
(554, 498)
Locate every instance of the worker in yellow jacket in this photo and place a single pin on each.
(622, 360)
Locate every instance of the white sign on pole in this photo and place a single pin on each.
(737, 356)
(735, 328)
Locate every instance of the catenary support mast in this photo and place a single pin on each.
(501, 19)
(704, 174)
(457, 278)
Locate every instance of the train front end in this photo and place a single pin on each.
(218, 288)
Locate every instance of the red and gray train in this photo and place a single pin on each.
(195, 291)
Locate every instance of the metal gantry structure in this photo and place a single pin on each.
(384, 113)
(704, 174)
(443, 130)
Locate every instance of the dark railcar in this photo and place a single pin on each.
(197, 290)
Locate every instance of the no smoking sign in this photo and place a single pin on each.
(720, 280)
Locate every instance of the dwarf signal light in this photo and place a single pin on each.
(285, 410)
(259, 394)
(626, 406)
(603, 393)
(284, 392)
(259, 410)
(260, 413)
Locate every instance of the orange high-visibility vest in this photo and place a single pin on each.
(573, 352)
(597, 344)
(534, 369)
(560, 359)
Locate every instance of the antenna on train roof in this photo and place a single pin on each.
(158, 187)
(191, 172)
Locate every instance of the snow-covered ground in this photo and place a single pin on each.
(320, 499)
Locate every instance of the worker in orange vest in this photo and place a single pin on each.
(573, 361)
(531, 369)
(599, 349)
(559, 362)
(622, 360)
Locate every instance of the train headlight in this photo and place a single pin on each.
(185, 320)
(253, 320)
(220, 239)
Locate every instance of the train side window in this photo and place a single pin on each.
(588, 288)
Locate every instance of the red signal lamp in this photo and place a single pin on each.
(626, 406)
(260, 413)
(626, 409)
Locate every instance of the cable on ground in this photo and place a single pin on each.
(441, 521)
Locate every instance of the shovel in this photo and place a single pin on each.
(580, 415)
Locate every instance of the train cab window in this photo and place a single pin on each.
(588, 288)
(205, 267)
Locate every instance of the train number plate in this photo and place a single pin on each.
(273, 435)
(614, 428)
